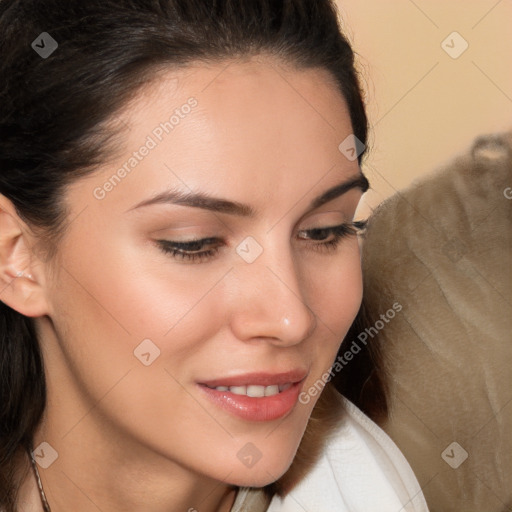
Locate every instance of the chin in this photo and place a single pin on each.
(260, 479)
(261, 473)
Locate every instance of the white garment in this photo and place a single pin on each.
(360, 470)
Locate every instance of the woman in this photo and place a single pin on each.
(178, 257)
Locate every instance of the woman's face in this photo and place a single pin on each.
(134, 332)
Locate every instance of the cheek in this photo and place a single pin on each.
(103, 317)
(108, 303)
(130, 291)
(337, 290)
(337, 294)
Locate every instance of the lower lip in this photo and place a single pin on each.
(265, 408)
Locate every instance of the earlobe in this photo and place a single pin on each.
(20, 281)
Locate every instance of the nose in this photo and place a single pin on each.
(271, 300)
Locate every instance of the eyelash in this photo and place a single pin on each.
(190, 250)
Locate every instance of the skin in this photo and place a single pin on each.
(135, 437)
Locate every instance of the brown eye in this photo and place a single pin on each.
(336, 233)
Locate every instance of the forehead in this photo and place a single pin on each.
(258, 96)
(256, 126)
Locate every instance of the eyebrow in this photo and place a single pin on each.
(215, 204)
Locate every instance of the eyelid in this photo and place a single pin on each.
(185, 243)
(354, 227)
(333, 216)
(213, 239)
(183, 250)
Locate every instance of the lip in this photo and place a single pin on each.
(258, 409)
(259, 379)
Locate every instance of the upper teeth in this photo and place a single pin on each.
(255, 391)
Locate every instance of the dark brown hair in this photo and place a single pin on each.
(54, 115)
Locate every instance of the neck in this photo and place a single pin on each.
(30, 500)
(114, 486)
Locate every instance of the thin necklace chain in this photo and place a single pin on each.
(44, 501)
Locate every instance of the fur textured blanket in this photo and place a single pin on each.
(442, 248)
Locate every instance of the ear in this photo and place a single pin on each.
(21, 273)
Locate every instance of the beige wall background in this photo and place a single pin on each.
(428, 98)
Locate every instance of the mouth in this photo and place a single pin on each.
(254, 390)
(256, 396)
